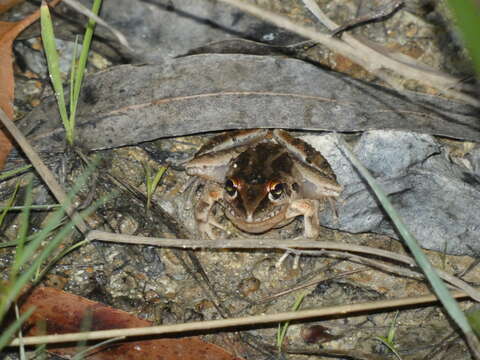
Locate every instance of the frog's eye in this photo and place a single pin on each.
(231, 188)
(277, 190)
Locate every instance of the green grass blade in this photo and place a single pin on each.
(55, 242)
(22, 232)
(9, 206)
(57, 215)
(42, 235)
(48, 39)
(34, 236)
(473, 316)
(16, 287)
(467, 13)
(73, 67)
(451, 306)
(158, 177)
(6, 174)
(282, 330)
(82, 61)
(29, 272)
(389, 345)
(92, 208)
(148, 183)
(22, 353)
(9, 296)
(45, 207)
(7, 334)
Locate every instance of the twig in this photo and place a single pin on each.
(374, 57)
(269, 298)
(272, 244)
(381, 265)
(371, 60)
(337, 311)
(384, 11)
(87, 12)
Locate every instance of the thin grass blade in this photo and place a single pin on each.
(6, 174)
(73, 67)
(22, 232)
(82, 61)
(50, 46)
(467, 13)
(7, 334)
(158, 177)
(9, 206)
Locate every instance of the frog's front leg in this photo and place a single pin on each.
(212, 193)
(310, 209)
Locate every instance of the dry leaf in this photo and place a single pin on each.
(62, 312)
(8, 32)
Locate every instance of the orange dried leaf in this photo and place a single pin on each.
(8, 33)
(58, 312)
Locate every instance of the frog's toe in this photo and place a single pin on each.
(205, 230)
(310, 233)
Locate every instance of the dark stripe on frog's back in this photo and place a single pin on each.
(314, 158)
(264, 162)
(231, 139)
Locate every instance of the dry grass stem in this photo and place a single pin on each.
(87, 12)
(342, 310)
(274, 244)
(307, 284)
(371, 59)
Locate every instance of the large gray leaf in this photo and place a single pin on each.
(131, 104)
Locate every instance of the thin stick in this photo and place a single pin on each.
(341, 310)
(380, 13)
(87, 12)
(369, 59)
(272, 244)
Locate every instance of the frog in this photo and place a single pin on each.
(263, 179)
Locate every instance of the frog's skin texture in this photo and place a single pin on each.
(263, 179)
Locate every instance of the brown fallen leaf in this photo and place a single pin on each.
(8, 32)
(59, 312)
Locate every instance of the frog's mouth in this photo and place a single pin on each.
(258, 224)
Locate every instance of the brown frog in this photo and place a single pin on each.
(263, 179)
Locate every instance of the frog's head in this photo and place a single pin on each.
(258, 188)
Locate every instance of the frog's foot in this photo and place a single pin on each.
(309, 208)
(206, 230)
(203, 211)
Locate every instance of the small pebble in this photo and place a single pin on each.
(249, 286)
(316, 333)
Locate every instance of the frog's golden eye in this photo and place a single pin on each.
(230, 188)
(277, 190)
